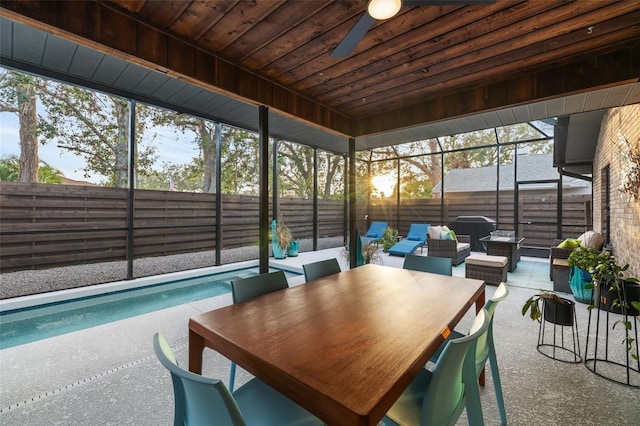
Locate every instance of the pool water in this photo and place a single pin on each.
(40, 322)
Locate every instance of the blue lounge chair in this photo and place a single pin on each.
(376, 229)
(416, 237)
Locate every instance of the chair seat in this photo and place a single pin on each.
(486, 260)
(407, 409)
(260, 404)
(460, 247)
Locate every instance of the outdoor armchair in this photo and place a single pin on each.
(322, 268)
(436, 265)
(457, 251)
(438, 397)
(485, 349)
(203, 401)
(248, 288)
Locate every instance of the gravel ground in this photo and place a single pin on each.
(22, 283)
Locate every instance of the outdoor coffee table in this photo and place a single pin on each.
(345, 346)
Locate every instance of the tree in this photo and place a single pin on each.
(295, 172)
(185, 177)
(10, 170)
(331, 173)
(89, 124)
(240, 164)
(95, 126)
(18, 96)
(206, 135)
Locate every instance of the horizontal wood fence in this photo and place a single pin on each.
(56, 225)
(576, 213)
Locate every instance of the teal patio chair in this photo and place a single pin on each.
(437, 398)
(485, 349)
(315, 270)
(248, 288)
(201, 400)
(437, 265)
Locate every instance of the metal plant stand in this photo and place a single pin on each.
(621, 369)
(553, 344)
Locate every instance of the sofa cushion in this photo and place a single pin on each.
(486, 260)
(434, 232)
(462, 247)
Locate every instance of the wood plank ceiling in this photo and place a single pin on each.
(426, 64)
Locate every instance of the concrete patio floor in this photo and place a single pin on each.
(108, 375)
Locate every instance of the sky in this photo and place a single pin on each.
(171, 148)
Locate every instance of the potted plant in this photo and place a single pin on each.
(617, 292)
(281, 237)
(557, 310)
(294, 248)
(614, 291)
(389, 238)
(369, 253)
(580, 261)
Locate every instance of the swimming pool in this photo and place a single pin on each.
(27, 325)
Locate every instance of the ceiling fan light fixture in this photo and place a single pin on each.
(383, 9)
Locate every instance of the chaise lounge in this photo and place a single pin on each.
(416, 237)
(376, 229)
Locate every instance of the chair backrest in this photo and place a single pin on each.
(376, 229)
(485, 342)
(444, 399)
(418, 232)
(198, 399)
(248, 288)
(313, 271)
(437, 265)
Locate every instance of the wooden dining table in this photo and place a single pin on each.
(344, 347)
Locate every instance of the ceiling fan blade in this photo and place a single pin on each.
(353, 37)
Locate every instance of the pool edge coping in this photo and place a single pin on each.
(22, 302)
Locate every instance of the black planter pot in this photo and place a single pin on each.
(607, 296)
(559, 313)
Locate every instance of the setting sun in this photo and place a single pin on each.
(384, 184)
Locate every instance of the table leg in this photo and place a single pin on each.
(479, 305)
(196, 346)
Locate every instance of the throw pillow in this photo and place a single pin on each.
(434, 232)
(570, 243)
(453, 235)
(445, 235)
(592, 239)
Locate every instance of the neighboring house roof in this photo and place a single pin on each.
(69, 181)
(530, 168)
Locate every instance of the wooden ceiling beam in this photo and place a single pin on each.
(541, 42)
(116, 33)
(586, 74)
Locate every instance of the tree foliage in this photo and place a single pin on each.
(86, 123)
(95, 127)
(10, 170)
(421, 169)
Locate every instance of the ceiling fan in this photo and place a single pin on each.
(385, 9)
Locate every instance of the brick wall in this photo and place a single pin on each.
(624, 212)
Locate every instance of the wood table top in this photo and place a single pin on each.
(344, 346)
